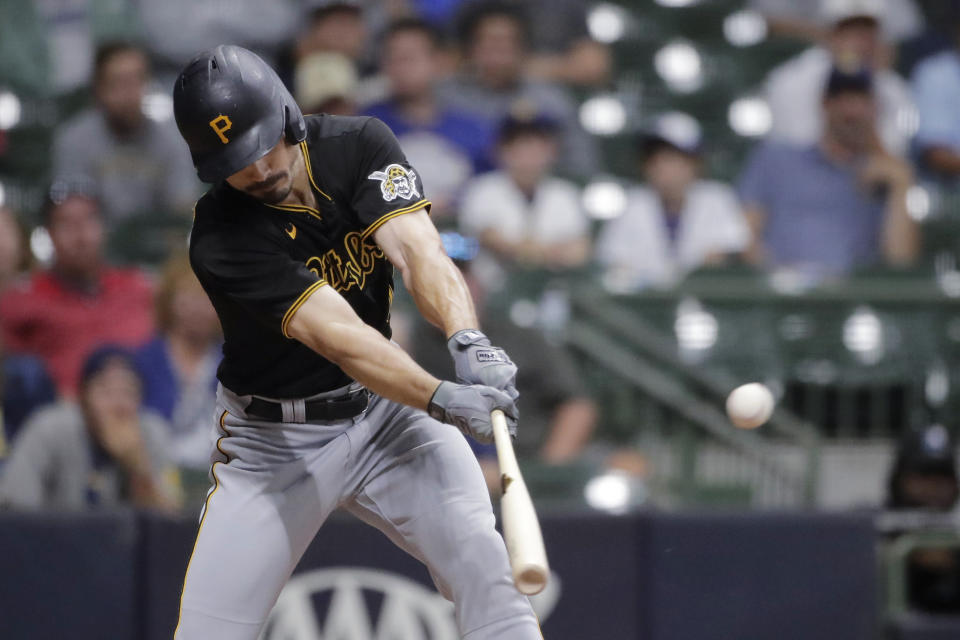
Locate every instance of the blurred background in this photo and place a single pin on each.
(653, 202)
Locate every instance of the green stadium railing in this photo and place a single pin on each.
(657, 395)
(689, 402)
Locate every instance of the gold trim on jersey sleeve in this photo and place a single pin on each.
(393, 214)
(299, 303)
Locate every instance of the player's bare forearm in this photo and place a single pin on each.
(412, 244)
(327, 324)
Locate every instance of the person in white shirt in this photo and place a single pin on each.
(521, 214)
(855, 40)
(677, 221)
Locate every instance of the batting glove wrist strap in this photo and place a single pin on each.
(478, 362)
(466, 337)
(437, 402)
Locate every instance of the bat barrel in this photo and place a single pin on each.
(531, 579)
(521, 529)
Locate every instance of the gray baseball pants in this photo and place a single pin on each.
(394, 467)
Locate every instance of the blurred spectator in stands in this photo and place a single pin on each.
(47, 46)
(854, 41)
(939, 35)
(522, 214)
(140, 166)
(936, 85)
(102, 452)
(495, 37)
(176, 30)
(561, 49)
(326, 83)
(924, 472)
(335, 26)
(840, 203)
(446, 145)
(924, 477)
(24, 386)
(26, 47)
(338, 27)
(179, 366)
(677, 221)
(63, 312)
(900, 20)
(14, 252)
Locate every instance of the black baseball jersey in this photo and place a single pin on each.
(258, 263)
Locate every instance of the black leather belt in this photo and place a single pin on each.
(321, 410)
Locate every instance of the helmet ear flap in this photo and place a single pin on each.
(294, 126)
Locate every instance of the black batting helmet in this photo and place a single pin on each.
(232, 109)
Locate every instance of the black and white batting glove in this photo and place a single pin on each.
(468, 407)
(478, 362)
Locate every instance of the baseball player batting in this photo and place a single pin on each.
(295, 244)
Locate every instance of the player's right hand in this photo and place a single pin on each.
(468, 408)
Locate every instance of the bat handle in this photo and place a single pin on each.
(501, 438)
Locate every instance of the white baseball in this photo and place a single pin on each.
(750, 405)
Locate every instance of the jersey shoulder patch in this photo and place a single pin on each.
(396, 182)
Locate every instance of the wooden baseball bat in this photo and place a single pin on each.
(521, 529)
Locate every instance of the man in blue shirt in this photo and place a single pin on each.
(836, 205)
(936, 87)
(447, 146)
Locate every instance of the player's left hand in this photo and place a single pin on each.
(468, 407)
(479, 362)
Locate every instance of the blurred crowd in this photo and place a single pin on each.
(109, 371)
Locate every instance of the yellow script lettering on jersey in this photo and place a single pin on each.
(342, 272)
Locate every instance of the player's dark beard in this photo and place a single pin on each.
(265, 191)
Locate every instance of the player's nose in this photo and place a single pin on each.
(259, 170)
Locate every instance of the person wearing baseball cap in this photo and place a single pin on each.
(676, 221)
(307, 221)
(841, 203)
(521, 213)
(853, 40)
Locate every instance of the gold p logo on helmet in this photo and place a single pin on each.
(220, 125)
